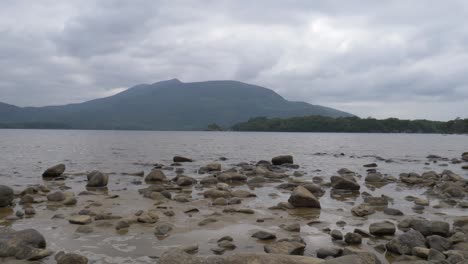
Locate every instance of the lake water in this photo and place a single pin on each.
(25, 154)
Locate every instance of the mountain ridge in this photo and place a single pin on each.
(169, 105)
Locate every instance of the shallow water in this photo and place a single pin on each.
(27, 153)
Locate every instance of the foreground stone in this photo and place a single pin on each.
(25, 244)
(404, 243)
(301, 197)
(54, 172)
(97, 179)
(382, 229)
(6, 196)
(70, 258)
(178, 256)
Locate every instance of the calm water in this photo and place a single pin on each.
(25, 154)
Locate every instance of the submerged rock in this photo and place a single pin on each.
(54, 172)
(6, 196)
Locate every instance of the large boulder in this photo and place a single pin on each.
(25, 244)
(301, 197)
(6, 196)
(404, 243)
(279, 160)
(344, 183)
(179, 256)
(156, 176)
(181, 159)
(55, 171)
(97, 179)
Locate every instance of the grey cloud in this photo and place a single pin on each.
(391, 58)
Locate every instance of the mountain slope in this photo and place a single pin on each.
(169, 105)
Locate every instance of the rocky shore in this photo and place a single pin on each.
(269, 211)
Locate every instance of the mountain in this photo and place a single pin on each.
(167, 105)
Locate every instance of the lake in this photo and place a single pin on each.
(25, 154)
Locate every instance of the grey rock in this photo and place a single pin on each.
(438, 243)
(392, 211)
(181, 159)
(382, 228)
(342, 183)
(162, 229)
(263, 235)
(279, 160)
(156, 175)
(57, 196)
(404, 243)
(285, 247)
(353, 238)
(329, 252)
(97, 179)
(25, 244)
(54, 172)
(70, 258)
(6, 196)
(301, 197)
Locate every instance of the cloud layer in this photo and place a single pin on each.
(407, 59)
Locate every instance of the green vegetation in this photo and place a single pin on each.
(214, 127)
(352, 124)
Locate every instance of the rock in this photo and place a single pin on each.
(26, 244)
(183, 180)
(376, 201)
(279, 160)
(242, 194)
(422, 202)
(162, 229)
(84, 229)
(80, 219)
(29, 211)
(54, 172)
(315, 189)
(263, 235)
(435, 255)
(285, 247)
(26, 199)
(178, 256)
(231, 177)
(421, 252)
(350, 259)
(353, 238)
(181, 159)
(382, 228)
(291, 227)
(392, 211)
(438, 243)
(70, 258)
(220, 201)
(6, 196)
(57, 196)
(411, 178)
(362, 210)
(156, 175)
(465, 156)
(206, 221)
(97, 179)
(256, 180)
(213, 193)
(210, 167)
(374, 177)
(336, 234)
(342, 183)
(226, 244)
(301, 197)
(122, 224)
(425, 227)
(370, 165)
(404, 243)
(329, 252)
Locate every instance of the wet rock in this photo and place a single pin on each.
(209, 180)
(422, 202)
(181, 159)
(374, 177)
(6, 196)
(404, 243)
(285, 247)
(210, 167)
(70, 258)
(156, 175)
(242, 194)
(240, 210)
(29, 211)
(301, 197)
(213, 193)
(362, 210)
(256, 180)
(162, 229)
(329, 252)
(231, 177)
(411, 178)
(220, 201)
(342, 183)
(438, 243)
(206, 221)
(263, 235)
(54, 172)
(465, 156)
(315, 189)
(226, 245)
(279, 160)
(376, 201)
(336, 234)
(97, 179)
(421, 252)
(57, 196)
(84, 229)
(291, 227)
(382, 228)
(353, 238)
(346, 172)
(370, 165)
(80, 219)
(392, 211)
(435, 255)
(183, 180)
(122, 224)
(425, 227)
(26, 244)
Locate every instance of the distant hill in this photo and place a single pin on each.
(166, 105)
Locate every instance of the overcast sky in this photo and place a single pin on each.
(406, 59)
